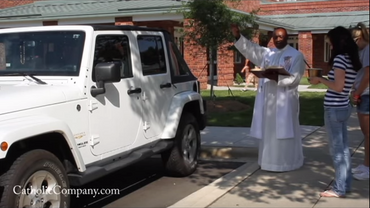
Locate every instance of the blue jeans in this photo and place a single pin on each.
(336, 128)
(363, 106)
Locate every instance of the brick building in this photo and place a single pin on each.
(307, 22)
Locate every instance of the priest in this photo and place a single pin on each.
(276, 110)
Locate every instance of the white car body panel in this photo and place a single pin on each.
(174, 114)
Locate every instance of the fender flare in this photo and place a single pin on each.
(18, 129)
(176, 109)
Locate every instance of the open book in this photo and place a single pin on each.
(259, 72)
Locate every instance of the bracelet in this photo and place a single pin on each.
(357, 96)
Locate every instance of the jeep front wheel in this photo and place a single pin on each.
(35, 179)
(182, 159)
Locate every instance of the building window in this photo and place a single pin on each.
(237, 57)
(327, 50)
(179, 39)
(293, 41)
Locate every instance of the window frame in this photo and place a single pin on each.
(164, 54)
(131, 74)
(178, 39)
(237, 57)
(326, 49)
(294, 41)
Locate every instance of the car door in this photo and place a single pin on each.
(115, 115)
(156, 82)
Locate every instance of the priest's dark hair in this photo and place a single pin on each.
(343, 43)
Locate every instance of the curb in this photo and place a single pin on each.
(237, 154)
(214, 191)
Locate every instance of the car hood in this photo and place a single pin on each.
(16, 98)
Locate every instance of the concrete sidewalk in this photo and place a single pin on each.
(248, 186)
(301, 88)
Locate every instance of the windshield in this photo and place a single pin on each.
(48, 53)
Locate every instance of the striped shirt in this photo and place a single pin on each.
(340, 99)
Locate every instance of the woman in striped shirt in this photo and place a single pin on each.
(345, 63)
(360, 95)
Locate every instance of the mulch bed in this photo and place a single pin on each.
(222, 106)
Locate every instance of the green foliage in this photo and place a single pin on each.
(311, 108)
(239, 79)
(210, 21)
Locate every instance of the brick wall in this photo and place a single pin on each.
(314, 7)
(123, 21)
(196, 58)
(225, 65)
(245, 5)
(305, 44)
(48, 23)
(13, 3)
(318, 53)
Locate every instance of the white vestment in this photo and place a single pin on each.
(276, 109)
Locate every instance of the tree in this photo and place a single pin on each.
(209, 21)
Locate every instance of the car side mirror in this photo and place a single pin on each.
(107, 72)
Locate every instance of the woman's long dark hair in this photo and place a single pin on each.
(343, 43)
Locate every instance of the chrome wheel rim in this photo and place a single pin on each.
(41, 190)
(189, 143)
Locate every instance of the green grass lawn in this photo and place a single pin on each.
(304, 81)
(311, 109)
(319, 86)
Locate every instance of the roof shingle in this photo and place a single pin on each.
(57, 8)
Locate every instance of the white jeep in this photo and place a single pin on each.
(80, 102)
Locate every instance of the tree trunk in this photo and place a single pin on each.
(211, 72)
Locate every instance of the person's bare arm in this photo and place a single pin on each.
(339, 80)
(246, 67)
(338, 83)
(364, 83)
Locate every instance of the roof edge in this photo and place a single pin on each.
(261, 19)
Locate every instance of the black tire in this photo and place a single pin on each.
(175, 161)
(32, 164)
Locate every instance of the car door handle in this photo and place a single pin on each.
(167, 85)
(134, 91)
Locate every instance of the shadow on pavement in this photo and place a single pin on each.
(300, 187)
(146, 185)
